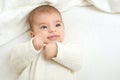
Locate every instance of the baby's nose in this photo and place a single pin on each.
(52, 29)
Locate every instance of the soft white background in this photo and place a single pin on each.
(97, 32)
(99, 35)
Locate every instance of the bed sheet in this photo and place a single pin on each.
(97, 33)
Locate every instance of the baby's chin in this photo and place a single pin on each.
(53, 41)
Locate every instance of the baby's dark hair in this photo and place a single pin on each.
(41, 9)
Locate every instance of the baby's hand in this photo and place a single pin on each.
(50, 50)
(38, 42)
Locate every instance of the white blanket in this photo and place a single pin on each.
(110, 6)
(98, 34)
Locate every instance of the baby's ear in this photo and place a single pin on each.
(32, 34)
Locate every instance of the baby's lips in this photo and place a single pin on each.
(45, 43)
(53, 37)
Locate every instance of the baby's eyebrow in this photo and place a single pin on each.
(59, 21)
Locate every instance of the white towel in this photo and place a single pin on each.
(110, 6)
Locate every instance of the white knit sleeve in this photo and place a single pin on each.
(69, 55)
(22, 55)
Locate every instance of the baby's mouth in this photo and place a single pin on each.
(53, 37)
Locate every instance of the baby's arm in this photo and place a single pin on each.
(22, 55)
(68, 55)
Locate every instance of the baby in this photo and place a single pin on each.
(45, 57)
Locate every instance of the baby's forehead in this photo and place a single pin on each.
(47, 14)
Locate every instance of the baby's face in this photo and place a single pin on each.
(49, 26)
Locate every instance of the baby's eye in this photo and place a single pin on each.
(57, 25)
(43, 27)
